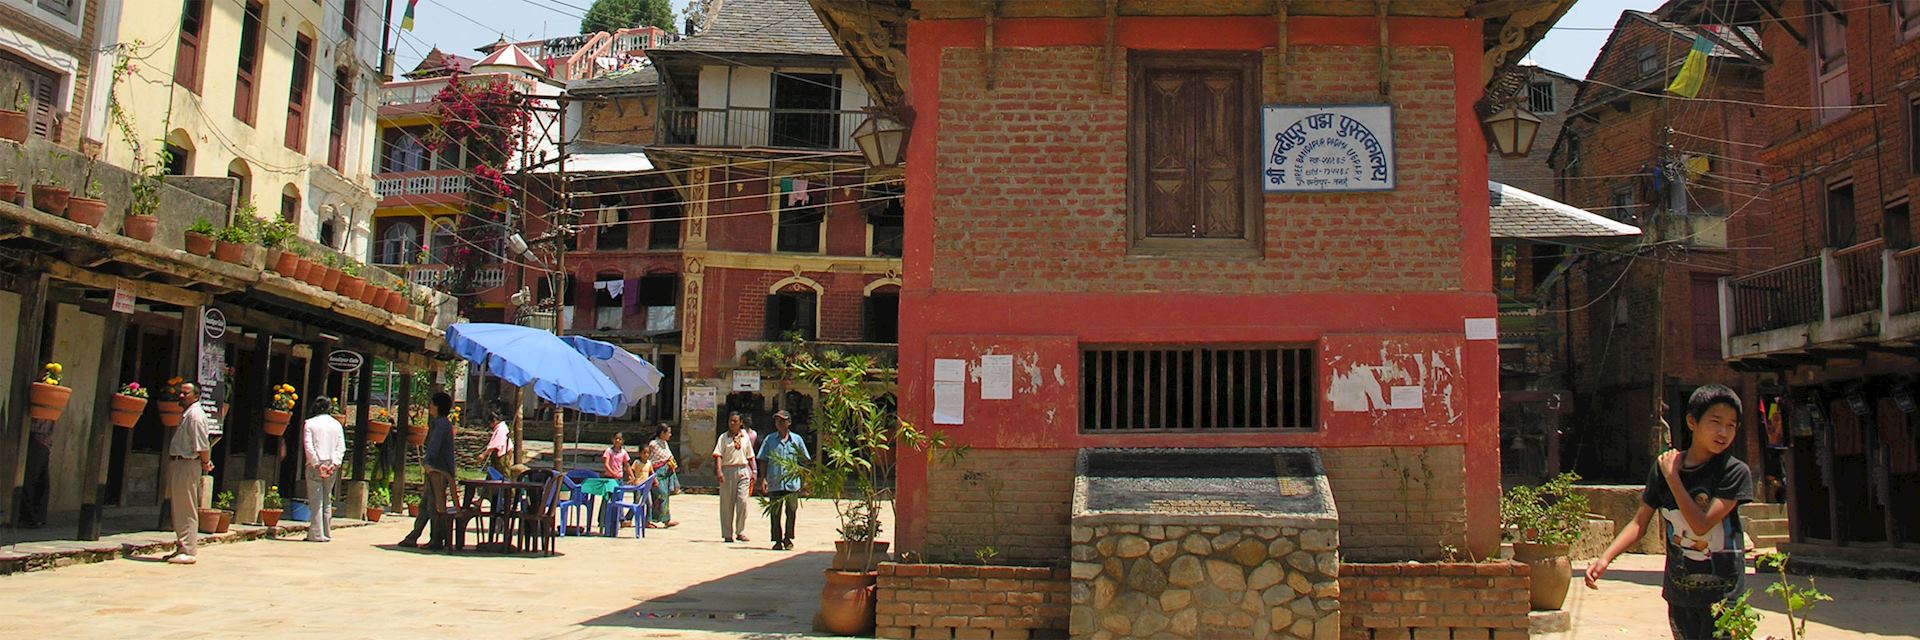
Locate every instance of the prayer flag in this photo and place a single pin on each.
(406, 20)
(1693, 72)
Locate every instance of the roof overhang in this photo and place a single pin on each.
(1521, 215)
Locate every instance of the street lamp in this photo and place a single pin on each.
(1513, 131)
(882, 139)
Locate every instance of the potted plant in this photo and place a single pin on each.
(141, 222)
(274, 235)
(280, 410)
(233, 239)
(9, 186)
(377, 501)
(270, 506)
(397, 303)
(331, 280)
(169, 407)
(88, 209)
(417, 430)
(223, 510)
(379, 424)
(50, 194)
(1543, 523)
(413, 505)
(128, 404)
(199, 238)
(856, 438)
(13, 122)
(49, 396)
(351, 282)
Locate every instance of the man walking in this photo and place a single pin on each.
(189, 455)
(781, 456)
(732, 460)
(439, 456)
(326, 445)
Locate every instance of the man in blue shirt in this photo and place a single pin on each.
(781, 456)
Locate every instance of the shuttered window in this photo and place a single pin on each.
(35, 91)
(1191, 164)
(245, 89)
(193, 31)
(791, 312)
(300, 89)
(337, 126)
(1705, 303)
(1203, 388)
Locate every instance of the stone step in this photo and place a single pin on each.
(1763, 511)
(1769, 527)
(1769, 541)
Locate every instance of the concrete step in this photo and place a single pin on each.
(1769, 527)
(1763, 511)
(1769, 541)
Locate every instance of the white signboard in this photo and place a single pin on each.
(213, 324)
(344, 361)
(701, 399)
(746, 380)
(122, 301)
(1327, 148)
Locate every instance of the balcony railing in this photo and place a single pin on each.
(416, 93)
(1905, 268)
(421, 183)
(1783, 296)
(1862, 292)
(435, 276)
(818, 129)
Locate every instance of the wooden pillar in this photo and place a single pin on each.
(403, 422)
(359, 448)
(1881, 481)
(1834, 531)
(262, 388)
(93, 481)
(31, 329)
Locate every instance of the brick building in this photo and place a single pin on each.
(1829, 313)
(1034, 232)
(1646, 315)
(47, 63)
(1547, 94)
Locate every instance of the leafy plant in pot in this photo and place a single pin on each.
(128, 404)
(273, 235)
(377, 501)
(330, 280)
(351, 282)
(13, 122)
(232, 241)
(856, 437)
(49, 395)
(88, 209)
(280, 409)
(271, 506)
(170, 409)
(1543, 523)
(222, 513)
(413, 505)
(50, 194)
(199, 237)
(379, 424)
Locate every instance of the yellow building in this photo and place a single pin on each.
(278, 94)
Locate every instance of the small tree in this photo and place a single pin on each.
(1739, 620)
(614, 15)
(1552, 513)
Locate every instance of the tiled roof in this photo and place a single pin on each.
(764, 27)
(1722, 37)
(1518, 214)
(622, 81)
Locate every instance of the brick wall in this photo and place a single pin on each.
(744, 302)
(962, 602)
(1033, 184)
(1396, 503)
(621, 120)
(73, 121)
(1532, 172)
(1481, 601)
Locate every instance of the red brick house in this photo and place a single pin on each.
(1152, 284)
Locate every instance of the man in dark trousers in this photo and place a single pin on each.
(439, 455)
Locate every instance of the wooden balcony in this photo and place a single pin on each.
(1842, 299)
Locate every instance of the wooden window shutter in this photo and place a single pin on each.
(248, 64)
(803, 315)
(1705, 303)
(1190, 130)
(773, 323)
(299, 89)
(186, 60)
(1170, 202)
(45, 119)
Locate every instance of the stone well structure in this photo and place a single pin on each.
(1204, 543)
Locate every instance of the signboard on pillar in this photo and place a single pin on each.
(212, 366)
(122, 301)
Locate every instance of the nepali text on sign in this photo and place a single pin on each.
(1327, 148)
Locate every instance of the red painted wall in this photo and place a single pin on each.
(1354, 323)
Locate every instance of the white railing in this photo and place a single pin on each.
(420, 183)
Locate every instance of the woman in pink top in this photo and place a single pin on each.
(613, 461)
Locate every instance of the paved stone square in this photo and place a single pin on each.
(1627, 606)
(677, 583)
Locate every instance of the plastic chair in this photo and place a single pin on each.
(637, 507)
(494, 475)
(575, 498)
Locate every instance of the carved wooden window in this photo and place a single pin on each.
(1192, 175)
(1197, 388)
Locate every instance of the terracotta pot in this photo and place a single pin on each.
(13, 125)
(858, 556)
(417, 435)
(276, 422)
(846, 602)
(269, 517)
(370, 295)
(413, 510)
(373, 514)
(397, 304)
(310, 272)
(51, 199)
(170, 413)
(9, 192)
(377, 431)
(1552, 572)
(48, 401)
(226, 521)
(87, 211)
(331, 279)
(127, 410)
(140, 228)
(286, 262)
(210, 521)
(199, 244)
(233, 252)
(351, 286)
(383, 298)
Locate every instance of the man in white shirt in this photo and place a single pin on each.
(189, 455)
(732, 457)
(326, 447)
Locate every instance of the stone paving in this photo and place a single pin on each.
(1628, 606)
(677, 583)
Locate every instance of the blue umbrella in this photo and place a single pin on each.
(635, 377)
(522, 355)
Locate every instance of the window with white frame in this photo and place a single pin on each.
(64, 15)
(1830, 83)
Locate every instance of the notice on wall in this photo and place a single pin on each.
(122, 301)
(949, 402)
(701, 400)
(746, 380)
(1406, 397)
(1327, 148)
(949, 370)
(996, 377)
(1483, 329)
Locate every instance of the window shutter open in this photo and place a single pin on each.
(773, 317)
(46, 120)
(803, 315)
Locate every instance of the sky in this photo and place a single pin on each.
(1569, 47)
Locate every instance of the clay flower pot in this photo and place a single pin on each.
(48, 401)
(858, 556)
(1552, 572)
(127, 410)
(87, 211)
(309, 272)
(846, 602)
(380, 297)
(377, 431)
(140, 228)
(233, 252)
(351, 286)
(269, 518)
(373, 514)
(397, 304)
(210, 520)
(287, 263)
(417, 435)
(170, 413)
(9, 192)
(51, 199)
(226, 521)
(331, 281)
(199, 244)
(276, 422)
(13, 125)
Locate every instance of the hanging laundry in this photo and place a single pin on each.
(613, 287)
(797, 191)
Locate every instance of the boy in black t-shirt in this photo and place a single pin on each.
(1705, 561)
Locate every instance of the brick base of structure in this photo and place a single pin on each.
(1483, 601)
(965, 602)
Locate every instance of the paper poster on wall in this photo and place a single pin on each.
(1482, 329)
(701, 399)
(1327, 148)
(746, 380)
(949, 370)
(996, 377)
(1406, 397)
(949, 402)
